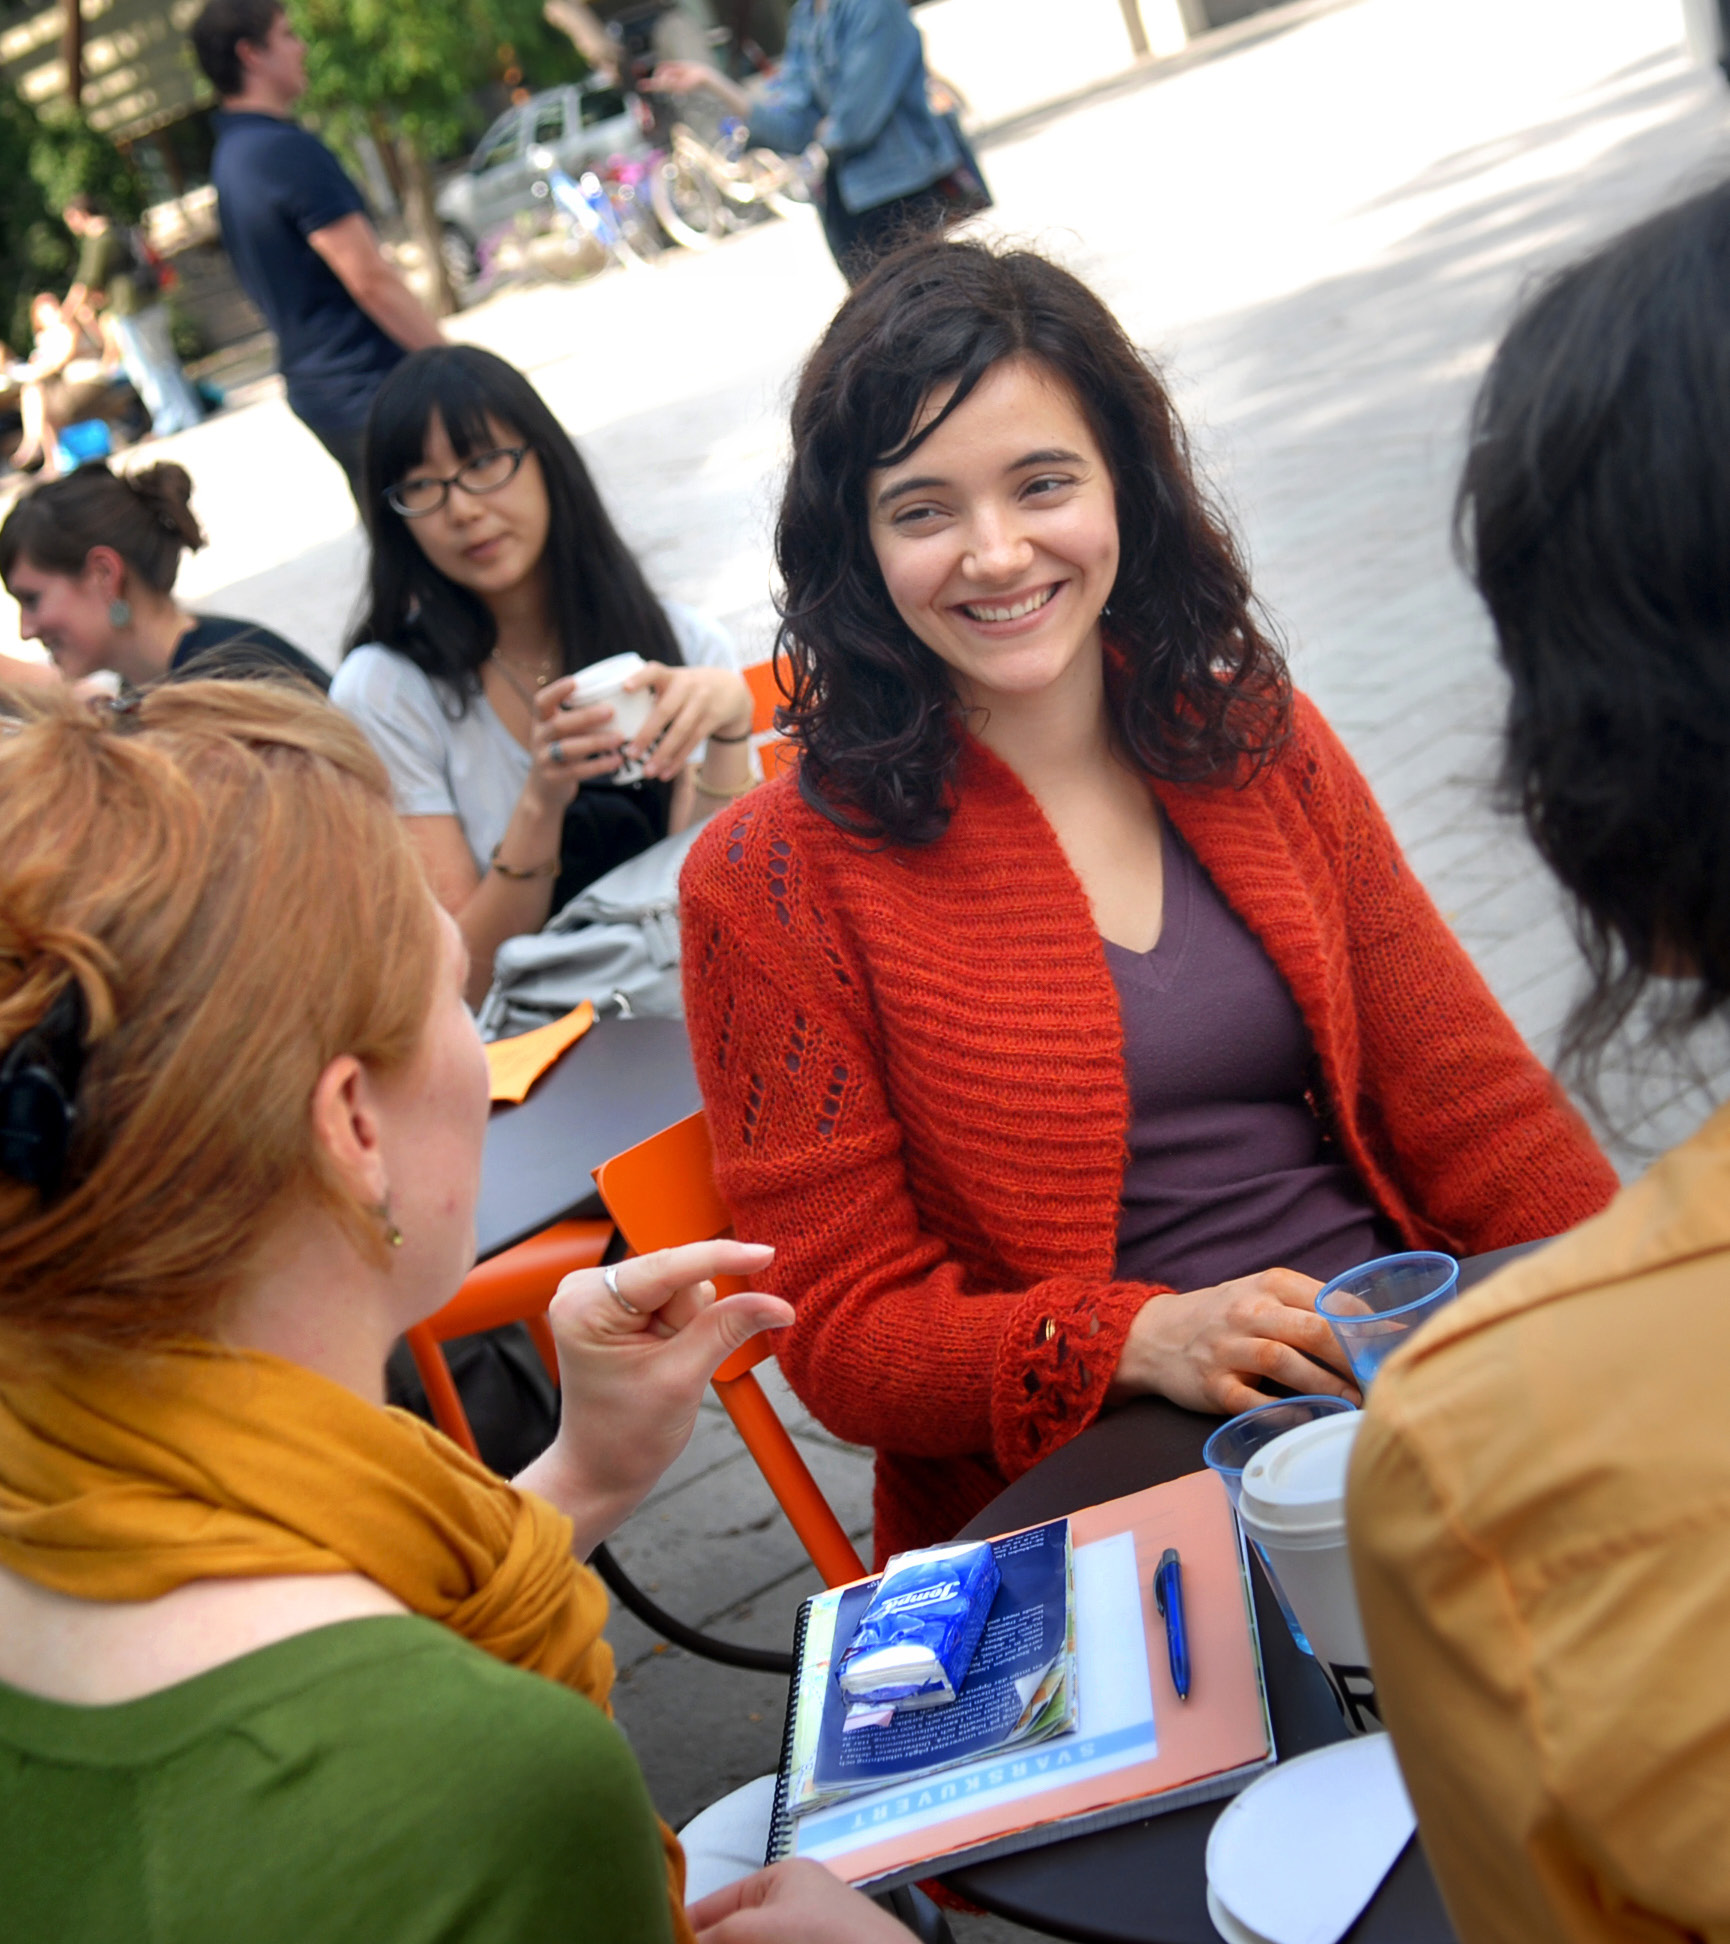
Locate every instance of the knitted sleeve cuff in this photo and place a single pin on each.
(1055, 1361)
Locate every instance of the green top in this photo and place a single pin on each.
(105, 264)
(380, 1781)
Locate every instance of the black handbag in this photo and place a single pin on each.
(512, 1405)
(964, 193)
(963, 189)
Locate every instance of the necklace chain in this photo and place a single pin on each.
(511, 676)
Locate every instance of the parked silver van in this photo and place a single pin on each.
(582, 124)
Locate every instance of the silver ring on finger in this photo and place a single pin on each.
(610, 1276)
(556, 754)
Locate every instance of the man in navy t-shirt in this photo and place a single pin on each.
(297, 232)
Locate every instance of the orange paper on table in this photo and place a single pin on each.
(518, 1063)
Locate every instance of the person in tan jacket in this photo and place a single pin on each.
(1540, 1497)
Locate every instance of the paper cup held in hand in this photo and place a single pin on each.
(1293, 1505)
(604, 681)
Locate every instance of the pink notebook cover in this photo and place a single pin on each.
(1208, 1746)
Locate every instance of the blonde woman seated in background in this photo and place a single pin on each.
(60, 385)
(496, 576)
(276, 1662)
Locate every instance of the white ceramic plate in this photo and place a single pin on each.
(1297, 1856)
(1227, 1925)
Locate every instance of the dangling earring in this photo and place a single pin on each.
(392, 1234)
(119, 613)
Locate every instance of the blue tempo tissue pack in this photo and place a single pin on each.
(917, 1637)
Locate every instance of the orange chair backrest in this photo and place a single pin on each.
(518, 1284)
(775, 752)
(766, 696)
(662, 1193)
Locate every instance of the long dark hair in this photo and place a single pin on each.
(1197, 691)
(601, 603)
(1595, 516)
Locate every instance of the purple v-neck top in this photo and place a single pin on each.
(1228, 1171)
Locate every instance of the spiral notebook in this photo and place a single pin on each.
(1136, 1748)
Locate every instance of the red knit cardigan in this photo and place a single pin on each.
(912, 1060)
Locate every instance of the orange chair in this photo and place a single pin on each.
(514, 1286)
(774, 751)
(662, 1193)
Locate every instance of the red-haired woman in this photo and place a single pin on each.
(1072, 1012)
(276, 1662)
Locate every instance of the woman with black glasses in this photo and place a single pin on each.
(496, 578)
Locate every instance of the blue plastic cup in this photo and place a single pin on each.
(1375, 1307)
(1237, 1441)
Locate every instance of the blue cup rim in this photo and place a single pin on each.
(1377, 1262)
(1332, 1402)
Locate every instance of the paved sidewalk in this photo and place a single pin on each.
(1322, 233)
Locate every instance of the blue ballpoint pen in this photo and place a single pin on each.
(1168, 1597)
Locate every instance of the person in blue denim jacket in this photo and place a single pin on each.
(853, 81)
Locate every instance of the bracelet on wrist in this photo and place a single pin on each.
(722, 796)
(729, 741)
(547, 870)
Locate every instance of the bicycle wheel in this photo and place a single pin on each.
(639, 231)
(461, 259)
(687, 204)
(771, 175)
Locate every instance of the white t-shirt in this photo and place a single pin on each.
(466, 766)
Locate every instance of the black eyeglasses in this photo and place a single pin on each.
(485, 472)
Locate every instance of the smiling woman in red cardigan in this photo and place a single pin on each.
(1072, 1012)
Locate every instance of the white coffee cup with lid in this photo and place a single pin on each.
(604, 681)
(1293, 1504)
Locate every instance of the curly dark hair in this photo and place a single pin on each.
(602, 603)
(1198, 691)
(1594, 514)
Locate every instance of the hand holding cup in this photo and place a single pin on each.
(569, 745)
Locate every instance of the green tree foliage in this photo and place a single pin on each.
(407, 72)
(34, 246)
(45, 160)
(70, 158)
(421, 62)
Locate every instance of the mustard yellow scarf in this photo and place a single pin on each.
(122, 1480)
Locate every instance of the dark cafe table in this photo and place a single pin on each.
(624, 1080)
(1146, 1882)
